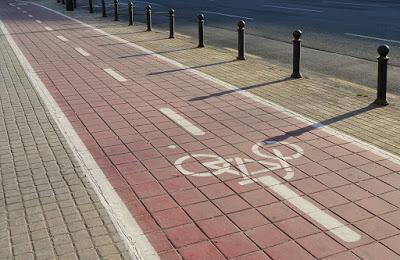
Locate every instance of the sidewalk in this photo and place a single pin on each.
(209, 171)
(48, 210)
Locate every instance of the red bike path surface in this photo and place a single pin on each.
(209, 172)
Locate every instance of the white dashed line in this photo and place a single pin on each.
(227, 15)
(24, 12)
(38, 21)
(319, 216)
(293, 8)
(83, 52)
(185, 124)
(62, 38)
(18, 8)
(115, 75)
(48, 28)
(29, 15)
(371, 37)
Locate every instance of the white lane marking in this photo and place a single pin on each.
(319, 216)
(62, 38)
(185, 124)
(134, 238)
(227, 15)
(144, 2)
(29, 15)
(115, 75)
(38, 21)
(371, 37)
(294, 8)
(18, 8)
(24, 12)
(378, 151)
(83, 52)
(48, 28)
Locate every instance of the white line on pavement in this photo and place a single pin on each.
(83, 52)
(38, 21)
(185, 124)
(321, 217)
(24, 12)
(136, 241)
(115, 75)
(48, 28)
(355, 4)
(294, 8)
(371, 37)
(62, 38)
(29, 15)
(227, 15)
(18, 8)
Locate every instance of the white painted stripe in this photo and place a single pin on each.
(355, 4)
(115, 75)
(180, 120)
(294, 8)
(38, 21)
(29, 15)
(24, 12)
(18, 8)
(135, 239)
(227, 15)
(48, 28)
(62, 38)
(319, 216)
(83, 52)
(371, 37)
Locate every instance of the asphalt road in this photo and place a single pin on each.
(340, 37)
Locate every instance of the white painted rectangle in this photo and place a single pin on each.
(83, 52)
(48, 28)
(62, 38)
(38, 21)
(29, 15)
(115, 75)
(185, 124)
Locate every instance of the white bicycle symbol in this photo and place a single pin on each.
(218, 165)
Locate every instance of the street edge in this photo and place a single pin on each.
(132, 235)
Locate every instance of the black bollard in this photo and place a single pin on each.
(74, 3)
(90, 6)
(103, 8)
(58, 1)
(116, 4)
(296, 54)
(69, 5)
(171, 23)
(241, 40)
(130, 9)
(383, 59)
(200, 19)
(148, 16)
(63, 1)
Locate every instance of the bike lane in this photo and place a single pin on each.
(208, 171)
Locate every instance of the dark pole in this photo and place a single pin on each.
(115, 10)
(103, 8)
(148, 16)
(241, 40)
(171, 23)
(74, 3)
(58, 1)
(200, 19)
(69, 5)
(63, 1)
(383, 59)
(130, 9)
(296, 54)
(90, 6)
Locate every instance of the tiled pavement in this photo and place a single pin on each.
(48, 209)
(323, 196)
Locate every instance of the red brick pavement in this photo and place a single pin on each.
(220, 215)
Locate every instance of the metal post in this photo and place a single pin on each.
(63, 1)
(69, 5)
(148, 16)
(200, 19)
(171, 23)
(74, 3)
(58, 1)
(296, 54)
(116, 10)
(103, 8)
(130, 9)
(241, 40)
(90, 6)
(383, 59)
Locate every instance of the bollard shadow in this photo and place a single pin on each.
(194, 67)
(230, 91)
(160, 52)
(323, 123)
